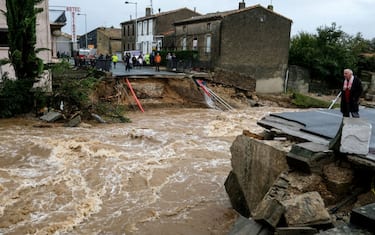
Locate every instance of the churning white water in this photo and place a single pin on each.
(163, 173)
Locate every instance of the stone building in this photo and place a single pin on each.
(104, 40)
(152, 29)
(253, 41)
(44, 34)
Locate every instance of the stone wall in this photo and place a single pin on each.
(256, 42)
(256, 166)
(298, 79)
(236, 79)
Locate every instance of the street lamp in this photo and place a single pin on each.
(84, 14)
(136, 23)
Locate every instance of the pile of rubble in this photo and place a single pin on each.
(310, 188)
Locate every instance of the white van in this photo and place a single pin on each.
(87, 53)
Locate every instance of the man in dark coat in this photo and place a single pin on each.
(351, 92)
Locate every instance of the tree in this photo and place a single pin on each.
(328, 52)
(16, 96)
(21, 20)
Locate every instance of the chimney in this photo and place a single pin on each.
(241, 5)
(148, 11)
(270, 7)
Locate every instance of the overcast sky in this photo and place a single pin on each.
(352, 16)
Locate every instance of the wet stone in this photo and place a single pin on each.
(51, 116)
(364, 216)
(307, 209)
(244, 226)
(309, 157)
(345, 229)
(236, 195)
(296, 231)
(74, 122)
(356, 134)
(269, 211)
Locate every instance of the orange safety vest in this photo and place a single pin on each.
(157, 59)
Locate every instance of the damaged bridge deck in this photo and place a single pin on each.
(318, 126)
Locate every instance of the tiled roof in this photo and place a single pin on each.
(220, 15)
(159, 14)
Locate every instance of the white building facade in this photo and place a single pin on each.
(43, 33)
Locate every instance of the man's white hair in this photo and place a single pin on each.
(348, 70)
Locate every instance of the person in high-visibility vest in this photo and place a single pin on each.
(157, 62)
(114, 60)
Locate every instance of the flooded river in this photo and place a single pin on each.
(163, 173)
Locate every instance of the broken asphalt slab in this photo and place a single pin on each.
(318, 126)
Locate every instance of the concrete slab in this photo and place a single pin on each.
(296, 231)
(244, 226)
(319, 122)
(318, 126)
(51, 116)
(309, 157)
(345, 230)
(364, 216)
(355, 137)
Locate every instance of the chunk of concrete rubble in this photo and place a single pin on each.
(98, 118)
(244, 226)
(306, 210)
(345, 229)
(353, 136)
(309, 157)
(256, 165)
(270, 209)
(295, 231)
(339, 179)
(364, 217)
(51, 116)
(237, 197)
(74, 122)
(365, 162)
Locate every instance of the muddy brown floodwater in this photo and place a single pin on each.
(163, 173)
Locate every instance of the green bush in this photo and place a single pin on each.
(303, 101)
(15, 98)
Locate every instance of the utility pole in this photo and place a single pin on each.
(84, 14)
(136, 23)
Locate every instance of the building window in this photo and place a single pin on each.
(144, 29)
(4, 38)
(139, 28)
(208, 26)
(128, 30)
(208, 44)
(183, 44)
(195, 44)
(184, 28)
